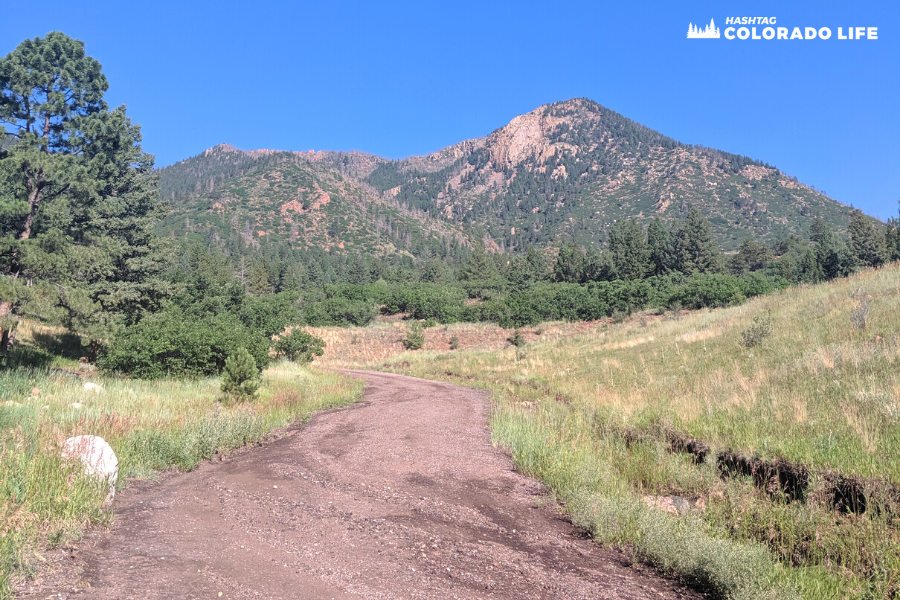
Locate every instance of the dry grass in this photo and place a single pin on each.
(355, 346)
(820, 391)
(151, 426)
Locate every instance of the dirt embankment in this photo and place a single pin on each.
(399, 496)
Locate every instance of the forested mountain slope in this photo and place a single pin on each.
(575, 167)
(248, 199)
(567, 170)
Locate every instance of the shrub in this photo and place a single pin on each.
(859, 316)
(760, 329)
(454, 342)
(516, 339)
(240, 377)
(415, 337)
(340, 312)
(299, 346)
(711, 291)
(176, 344)
(427, 301)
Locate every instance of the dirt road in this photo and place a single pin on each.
(399, 496)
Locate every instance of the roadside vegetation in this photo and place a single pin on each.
(152, 426)
(776, 421)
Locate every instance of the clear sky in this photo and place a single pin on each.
(406, 78)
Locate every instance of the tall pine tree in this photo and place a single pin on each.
(659, 247)
(628, 250)
(77, 196)
(867, 243)
(696, 249)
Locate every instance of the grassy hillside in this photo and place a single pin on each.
(151, 425)
(787, 445)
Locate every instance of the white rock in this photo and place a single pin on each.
(76, 405)
(97, 457)
(90, 385)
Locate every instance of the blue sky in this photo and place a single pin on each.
(405, 78)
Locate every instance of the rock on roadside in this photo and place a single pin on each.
(98, 459)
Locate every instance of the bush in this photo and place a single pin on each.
(427, 301)
(415, 337)
(299, 346)
(859, 316)
(454, 342)
(340, 312)
(757, 332)
(240, 377)
(176, 344)
(516, 339)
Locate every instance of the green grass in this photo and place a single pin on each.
(820, 391)
(151, 425)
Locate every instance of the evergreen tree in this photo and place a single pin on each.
(894, 239)
(867, 243)
(434, 271)
(809, 270)
(535, 265)
(569, 266)
(696, 250)
(750, 257)
(293, 277)
(77, 195)
(525, 270)
(258, 283)
(358, 271)
(659, 247)
(832, 253)
(479, 266)
(628, 250)
(240, 377)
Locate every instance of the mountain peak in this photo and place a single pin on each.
(566, 170)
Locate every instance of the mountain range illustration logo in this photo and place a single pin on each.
(711, 31)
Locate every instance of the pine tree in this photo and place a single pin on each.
(258, 283)
(696, 249)
(526, 270)
(809, 270)
(832, 253)
(77, 196)
(479, 266)
(750, 257)
(240, 377)
(569, 266)
(659, 247)
(867, 243)
(434, 271)
(628, 250)
(358, 271)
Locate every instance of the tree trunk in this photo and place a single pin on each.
(7, 327)
(34, 201)
(94, 351)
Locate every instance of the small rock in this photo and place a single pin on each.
(76, 405)
(675, 505)
(97, 457)
(90, 385)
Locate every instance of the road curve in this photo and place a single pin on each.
(399, 496)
